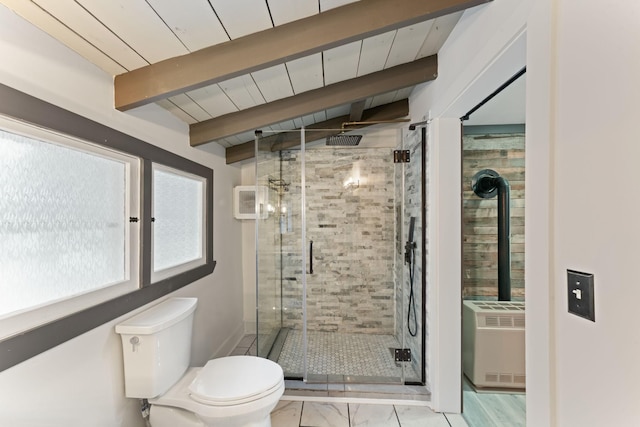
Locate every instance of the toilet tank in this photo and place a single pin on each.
(156, 347)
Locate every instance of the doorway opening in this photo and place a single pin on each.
(493, 317)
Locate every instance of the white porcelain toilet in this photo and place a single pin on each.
(234, 391)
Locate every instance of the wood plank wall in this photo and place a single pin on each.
(504, 153)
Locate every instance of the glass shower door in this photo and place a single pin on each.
(410, 277)
(351, 298)
(268, 252)
(279, 258)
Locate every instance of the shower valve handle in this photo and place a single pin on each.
(409, 247)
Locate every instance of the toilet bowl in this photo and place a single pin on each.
(233, 391)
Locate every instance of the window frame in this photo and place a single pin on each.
(156, 276)
(25, 108)
(37, 315)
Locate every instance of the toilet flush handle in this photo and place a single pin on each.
(134, 343)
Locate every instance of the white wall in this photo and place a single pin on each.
(444, 261)
(596, 210)
(80, 382)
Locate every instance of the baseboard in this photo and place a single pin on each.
(250, 327)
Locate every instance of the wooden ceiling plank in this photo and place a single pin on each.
(185, 103)
(139, 26)
(368, 103)
(194, 22)
(374, 53)
(92, 30)
(243, 92)
(283, 141)
(242, 17)
(384, 81)
(306, 73)
(335, 27)
(332, 4)
(440, 30)
(407, 43)
(283, 11)
(385, 98)
(341, 63)
(212, 100)
(341, 110)
(319, 116)
(54, 27)
(307, 120)
(273, 82)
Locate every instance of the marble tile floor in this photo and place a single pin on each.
(246, 346)
(338, 414)
(304, 405)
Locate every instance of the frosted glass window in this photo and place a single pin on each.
(178, 211)
(63, 222)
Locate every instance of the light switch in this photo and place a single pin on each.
(580, 294)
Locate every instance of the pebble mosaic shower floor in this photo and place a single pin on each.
(333, 353)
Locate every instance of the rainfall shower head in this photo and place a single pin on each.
(344, 140)
(341, 139)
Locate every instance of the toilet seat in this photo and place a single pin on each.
(179, 396)
(234, 380)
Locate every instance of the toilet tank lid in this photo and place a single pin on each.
(158, 317)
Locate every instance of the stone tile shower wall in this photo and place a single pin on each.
(352, 228)
(504, 153)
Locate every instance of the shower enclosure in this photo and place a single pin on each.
(340, 288)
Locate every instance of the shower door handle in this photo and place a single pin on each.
(311, 257)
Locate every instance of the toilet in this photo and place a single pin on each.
(233, 391)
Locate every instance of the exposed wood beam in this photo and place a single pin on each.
(398, 77)
(285, 140)
(355, 115)
(335, 27)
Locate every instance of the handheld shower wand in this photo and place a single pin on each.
(409, 258)
(410, 245)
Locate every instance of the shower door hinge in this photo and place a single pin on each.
(403, 354)
(401, 156)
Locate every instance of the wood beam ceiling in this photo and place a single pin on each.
(285, 140)
(335, 27)
(309, 102)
